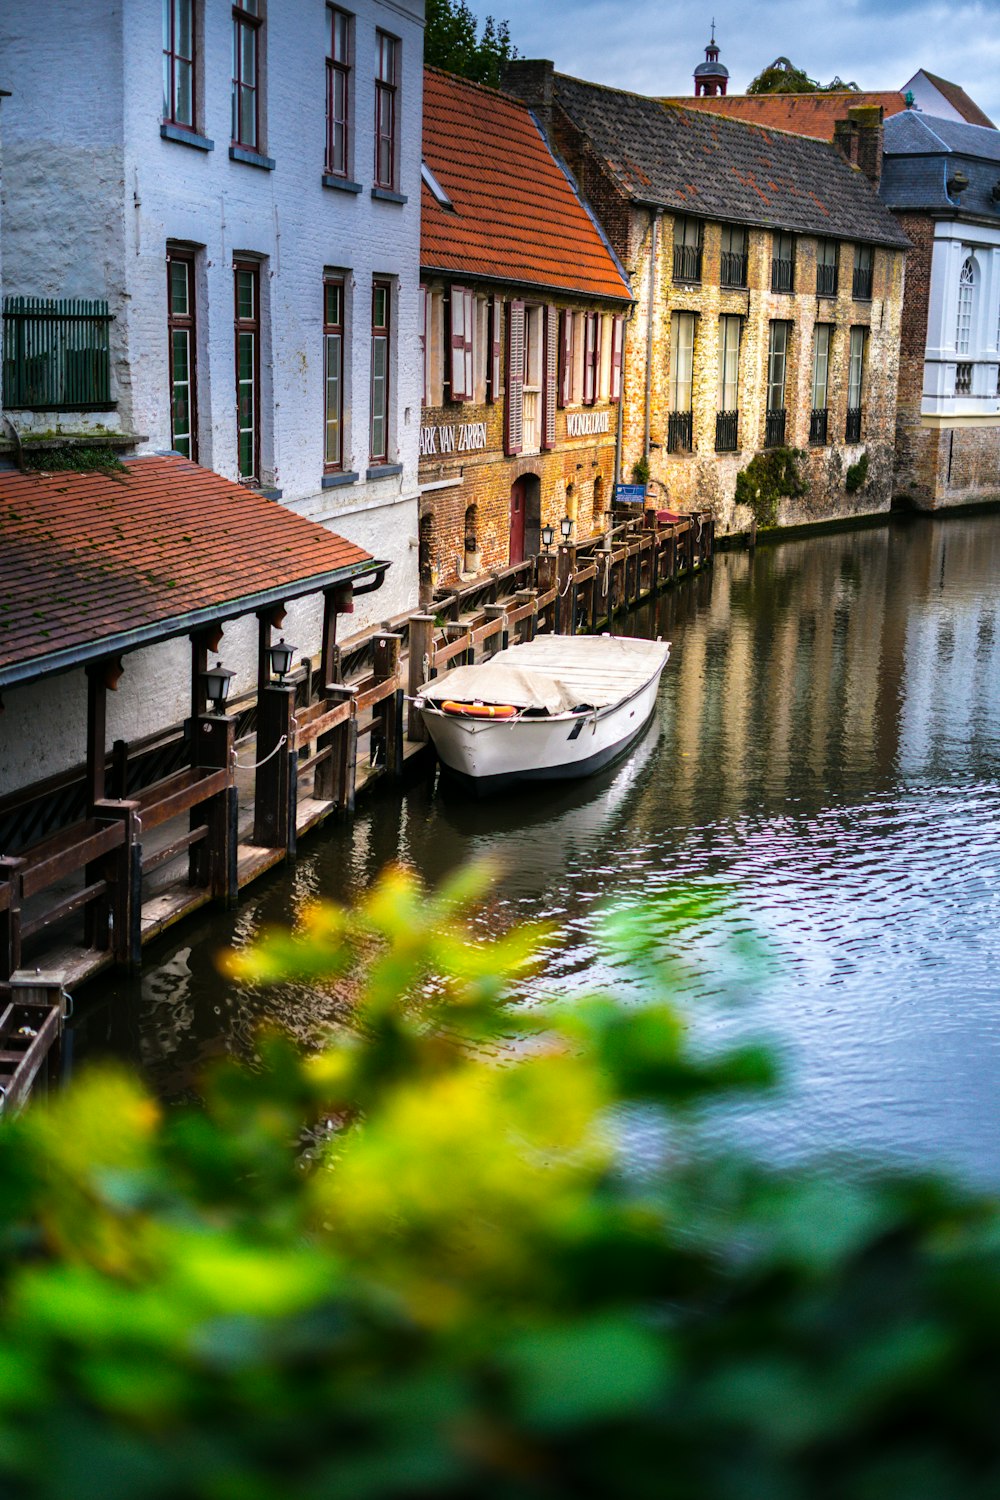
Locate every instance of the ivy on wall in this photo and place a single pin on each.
(768, 478)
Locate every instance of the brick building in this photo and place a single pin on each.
(522, 332)
(768, 281)
(942, 179)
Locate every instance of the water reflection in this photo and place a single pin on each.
(827, 743)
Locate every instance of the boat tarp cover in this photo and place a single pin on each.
(555, 673)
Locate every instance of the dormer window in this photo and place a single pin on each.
(437, 191)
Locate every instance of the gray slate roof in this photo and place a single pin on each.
(698, 163)
(922, 152)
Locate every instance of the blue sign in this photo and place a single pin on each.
(630, 494)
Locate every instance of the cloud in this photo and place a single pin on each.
(652, 46)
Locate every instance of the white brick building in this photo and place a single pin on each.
(122, 147)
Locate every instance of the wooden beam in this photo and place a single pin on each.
(97, 704)
(267, 620)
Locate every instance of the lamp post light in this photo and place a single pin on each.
(548, 532)
(217, 680)
(566, 527)
(281, 653)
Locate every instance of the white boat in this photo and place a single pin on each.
(553, 708)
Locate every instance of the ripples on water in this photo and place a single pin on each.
(826, 750)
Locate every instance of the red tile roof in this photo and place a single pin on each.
(92, 564)
(516, 217)
(802, 114)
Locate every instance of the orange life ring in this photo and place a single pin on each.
(480, 710)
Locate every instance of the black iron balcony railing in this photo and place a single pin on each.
(774, 429)
(852, 428)
(734, 269)
(826, 281)
(963, 380)
(782, 275)
(727, 425)
(679, 424)
(862, 285)
(818, 425)
(56, 354)
(687, 262)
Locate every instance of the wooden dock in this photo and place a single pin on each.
(195, 813)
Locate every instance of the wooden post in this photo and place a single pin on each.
(97, 702)
(420, 667)
(545, 573)
(10, 915)
(276, 751)
(336, 601)
(566, 595)
(327, 783)
(348, 767)
(498, 612)
(526, 627)
(213, 862)
(387, 715)
(122, 869)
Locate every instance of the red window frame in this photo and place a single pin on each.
(333, 327)
(246, 18)
(381, 333)
(183, 323)
(386, 76)
(247, 325)
(338, 75)
(174, 59)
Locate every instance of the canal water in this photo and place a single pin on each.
(825, 760)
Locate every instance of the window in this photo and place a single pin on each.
(481, 358)
(783, 263)
(966, 298)
(338, 90)
(591, 357)
(679, 419)
(862, 287)
(247, 288)
(734, 256)
(381, 314)
(727, 415)
(826, 268)
(532, 384)
(617, 355)
(385, 110)
(777, 358)
(181, 333)
(604, 345)
(820, 384)
(687, 249)
(855, 384)
(333, 372)
(246, 62)
(178, 63)
(462, 313)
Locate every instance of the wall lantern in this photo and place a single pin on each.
(566, 527)
(217, 680)
(548, 532)
(281, 654)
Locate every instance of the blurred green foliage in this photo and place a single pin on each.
(424, 1261)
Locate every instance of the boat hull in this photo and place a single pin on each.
(493, 754)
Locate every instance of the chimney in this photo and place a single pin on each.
(531, 80)
(859, 140)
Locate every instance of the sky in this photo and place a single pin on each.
(652, 46)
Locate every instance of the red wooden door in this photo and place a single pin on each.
(518, 495)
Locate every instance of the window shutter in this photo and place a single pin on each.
(456, 340)
(514, 424)
(589, 358)
(422, 324)
(565, 358)
(617, 341)
(469, 325)
(494, 387)
(550, 378)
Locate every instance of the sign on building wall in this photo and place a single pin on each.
(459, 437)
(583, 423)
(630, 494)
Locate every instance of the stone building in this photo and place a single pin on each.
(522, 334)
(768, 281)
(941, 177)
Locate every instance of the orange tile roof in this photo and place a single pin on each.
(802, 114)
(94, 564)
(516, 217)
(959, 100)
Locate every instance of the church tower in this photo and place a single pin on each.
(710, 77)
